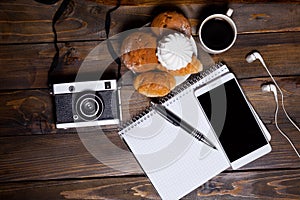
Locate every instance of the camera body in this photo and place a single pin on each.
(89, 103)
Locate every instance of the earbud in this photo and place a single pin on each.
(270, 88)
(254, 55)
(251, 57)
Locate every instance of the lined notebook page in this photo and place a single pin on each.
(175, 162)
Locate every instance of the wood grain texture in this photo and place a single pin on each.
(278, 184)
(31, 111)
(38, 161)
(27, 112)
(179, 2)
(26, 66)
(68, 156)
(34, 156)
(86, 21)
(33, 21)
(248, 185)
(217, 1)
(62, 156)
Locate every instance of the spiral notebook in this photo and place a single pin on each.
(175, 162)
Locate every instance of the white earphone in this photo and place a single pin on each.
(270, 88)
(251, 57)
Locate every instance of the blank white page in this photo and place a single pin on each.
(175, 162)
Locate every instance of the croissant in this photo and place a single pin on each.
(154, 83)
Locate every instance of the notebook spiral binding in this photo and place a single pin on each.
(126, 126)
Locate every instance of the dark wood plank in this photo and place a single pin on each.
(68, 156)
(118, 188)
(281, 184)
(278, 184)
(179, 2)
(280, 52)
(33, 21)
(40, 162)
(264, 103)
(22, 21)
(31, 111)
(63, 156)
(26, 66)
(37, 157)
(84, 20)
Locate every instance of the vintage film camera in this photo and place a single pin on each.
(83, 104)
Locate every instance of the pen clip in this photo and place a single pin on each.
(177, 121)
(169, 120)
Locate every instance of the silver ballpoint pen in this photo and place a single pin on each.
(177, 121)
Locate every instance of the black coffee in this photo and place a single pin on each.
(217, 34)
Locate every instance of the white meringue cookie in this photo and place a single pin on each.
(175, 51)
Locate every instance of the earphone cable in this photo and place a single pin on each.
(281, 93)
(282, 133)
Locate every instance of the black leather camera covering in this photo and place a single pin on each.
(65, 106)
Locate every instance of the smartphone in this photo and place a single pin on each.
(234, 121)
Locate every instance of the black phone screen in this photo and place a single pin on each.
(238, 130)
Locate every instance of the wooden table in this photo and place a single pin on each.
(37, 161)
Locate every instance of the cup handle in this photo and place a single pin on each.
(229, 12)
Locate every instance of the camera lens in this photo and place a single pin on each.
(89, 107)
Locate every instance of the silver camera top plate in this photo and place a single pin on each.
(100, 85)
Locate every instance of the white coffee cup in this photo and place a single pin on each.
(217, 33)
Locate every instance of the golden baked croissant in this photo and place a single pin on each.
(154, 83)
